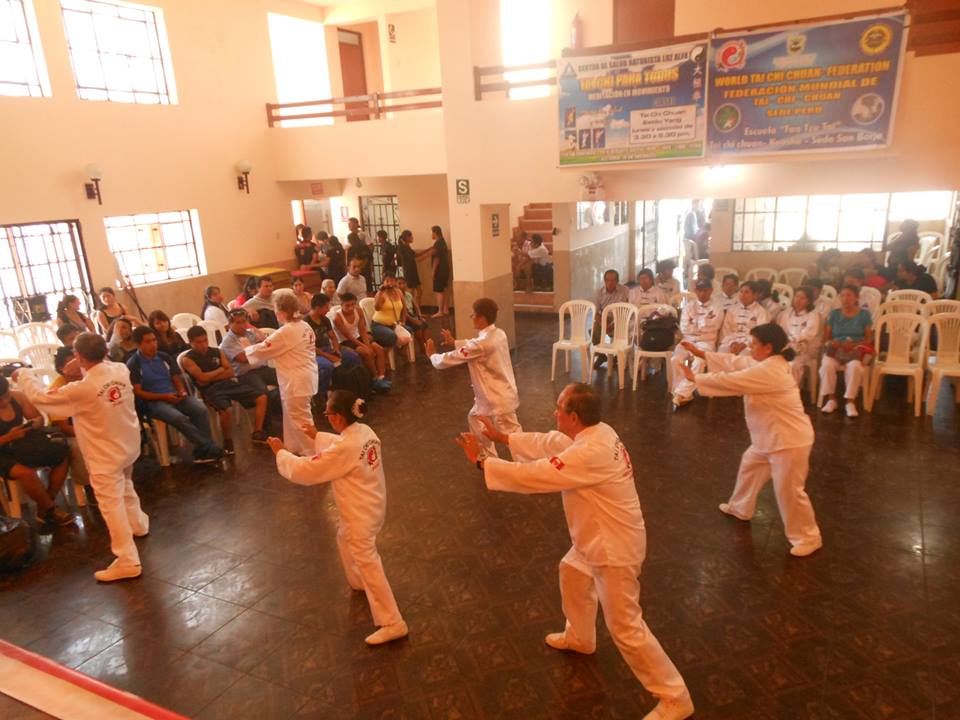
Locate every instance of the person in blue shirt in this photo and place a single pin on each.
(158, 385)
(847, 336)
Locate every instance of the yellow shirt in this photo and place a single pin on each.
(58, 381)
(390, 313)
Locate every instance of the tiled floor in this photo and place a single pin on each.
(243, 612)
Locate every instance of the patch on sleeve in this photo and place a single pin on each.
(463, 351)
(557, 463)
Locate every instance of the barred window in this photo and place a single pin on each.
(156, 247)
(23, 71)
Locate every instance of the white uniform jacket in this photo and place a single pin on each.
(739, 320)
(293, 350)
(594, 476)
(802, 328)
(353, 463)
(669, 287)
(104, 418)
(771, 399)
(491, 370)
(700, 322)
(654, 296)
(727, 303)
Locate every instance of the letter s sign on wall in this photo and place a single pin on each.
(463, 190)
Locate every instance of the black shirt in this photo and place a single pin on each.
(207, 362)
(408, 261)
(924, 282)
(306, 254)
(320, 332)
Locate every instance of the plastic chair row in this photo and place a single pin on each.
(927, 309)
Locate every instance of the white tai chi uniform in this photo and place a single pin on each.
(594, 476)
(654, 296)
(700, 324)
(352, 462)
(803, 331)
(494, 388)
(737, 323)
(293, 350)
(726, 302)
(108, 433)
(781, 437)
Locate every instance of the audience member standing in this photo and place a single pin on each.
(408, 264)
(439, 254)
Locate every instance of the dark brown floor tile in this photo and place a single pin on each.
(246, 640)
(253, 698)
(77, 641)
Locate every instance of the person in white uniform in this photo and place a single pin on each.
(801, 322)
(108, 433)
(292, 348)
(729, 296)
(700, 321)
(740, 320)
(645, 292)
(352, 461)
(665, 280)
(781, 434)
(585, 461)
(487, 357)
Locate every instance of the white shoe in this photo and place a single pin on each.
(116, 571)
(806, 549)
(829, 407)
(673, 709)
(388, 633)
(851, 409)
(558, 641)
(146, 529)
(725, 508)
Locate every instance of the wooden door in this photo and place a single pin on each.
(353, 71)
(642, 20)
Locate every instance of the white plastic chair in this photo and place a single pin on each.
(9, 344)
(721, 272)
(930, 244)
(640, 356)
(581, 314)
(829, 292)
(940, 274)
(794, 277)
(185, 321)
(35, 333)
(873, 298)
(39, 356)
(938, 307)
(368, 305)
(902, 356)
(623, 317)
(946, 362)
(212, 328)
(785, 293)
(918, 296)
(762, 273)
(901, 306)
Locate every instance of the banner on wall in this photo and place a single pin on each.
(627, 107)
(805, 88)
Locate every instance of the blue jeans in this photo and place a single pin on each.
(350, 358)
(190, 417)
(324, 372)
(384, 335)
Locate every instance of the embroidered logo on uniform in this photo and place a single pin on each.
(267, 343)
(557, 463)
(113, 395)
(463, 351)
(372, 455)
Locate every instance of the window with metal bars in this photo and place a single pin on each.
(156, 247)
(380, 212)
(119, 51)
(23, 71)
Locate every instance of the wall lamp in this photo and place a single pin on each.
(243, 179)
(93, 188)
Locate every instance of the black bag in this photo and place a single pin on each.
(16, 543)
(356, 379)
(41, 447)
(658, 333)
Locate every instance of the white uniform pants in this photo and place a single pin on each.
(506, 423)
(296, 412)
(788, 468)
(364, 571)
(683, 388)
(618, 590)
(852, 374)
(120, 508)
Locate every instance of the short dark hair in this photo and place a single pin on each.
(262, 279)
(852, 288)
(319, 300)
(646, 271)
(348, 297)
(536, 238)
(106, 289)
(753, 285)
(910, 267)
(665, 265)
(775, 336)
(382, 234)
(195, 332)
(139, 333)
(486, 307)
(815, 283)
(65, 331)
(405, 234)
(808, 291)
(341, 402)
(92, 347)
(853, 272)
(235, 313)
(707, 271)
(611, 272)
(731, 276)
(583, 400)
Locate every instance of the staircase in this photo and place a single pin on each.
(536, 218)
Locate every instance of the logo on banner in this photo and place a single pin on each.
(876, 39)
(568, 72)
(732, 55)
(796, 44)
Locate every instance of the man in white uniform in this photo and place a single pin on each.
(108, 433)
(491, 372)
(740, 320)
(585, 461)
(700, 321)
(729, 291)
(645, 292)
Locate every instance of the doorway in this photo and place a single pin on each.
(380, 212)
(353, 70)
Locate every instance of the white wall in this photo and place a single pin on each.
(413, 61)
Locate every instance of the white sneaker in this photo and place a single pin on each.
(673, 709)
(806, 549)
(558, 641)
(388, 633)
(725, 508)
(851, 409)
(116, 571)
(829, 406)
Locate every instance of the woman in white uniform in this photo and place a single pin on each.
(781, 435)
(801, 322)
(292, 348)
(352, 462)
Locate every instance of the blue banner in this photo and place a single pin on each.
(820, 87)
(643, 105)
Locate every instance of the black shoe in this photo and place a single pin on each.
(599, 362)
(259, 437)
(55, 516)
(228, 447)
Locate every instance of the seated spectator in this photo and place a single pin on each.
(213, 375)
(25, 447)
(158, 384)
(741, 319)
(241, 335)
(611, 292)
(729, 292)
(260, 307)
(110, 311)
(66, 334)
(874, 274)
(768, 299)
(389, 316)
(645, 292)
(911, 276)
(868, 301)
(706, 272)
(169, 340)
(905, 247)
(213, 309)
(336, 258)
(801, 322)
(847, 347)
(302, 296)
(541, 268)
(665, 279)
(358, 249)
(68, 313)
(700, 321)
(121, 345)
(417, 324)
(351, 329)
(329, 353)
(329, 288)
(353, 282)
(250, 286)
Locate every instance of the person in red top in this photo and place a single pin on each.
(872, 276)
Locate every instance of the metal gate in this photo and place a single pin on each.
(380, 212)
